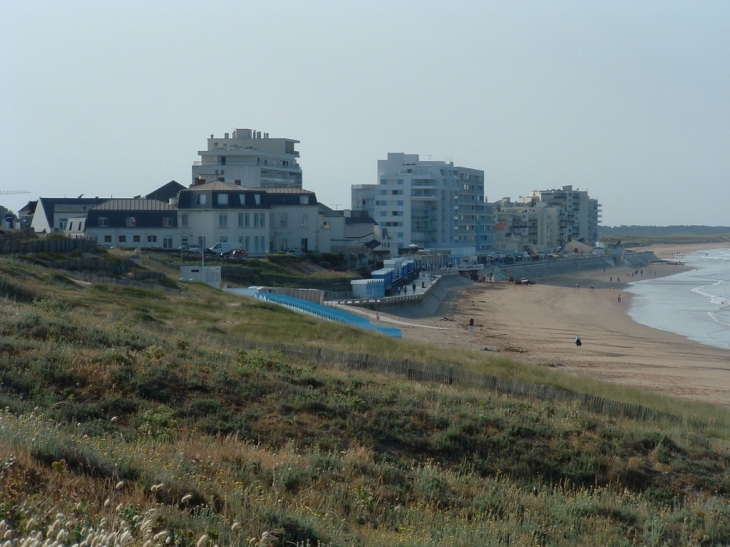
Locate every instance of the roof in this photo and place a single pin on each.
(166, 191)
(284, 190)
(359, 220)
(135, 205)
(218, 185)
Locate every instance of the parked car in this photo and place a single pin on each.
(238, 253)
(225, 248)
(193, 249)
(297, 252)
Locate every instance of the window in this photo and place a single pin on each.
(241, 197)
(136, 239)
(167, 243)
(223, 221)
(222, 199)
(107, 239)
(184, 220)
(383, 181)
(62, 224)
(201, 199)
(151, 239)
(243, 220)
(283, 220)
(303, 200)
(103, 221)
(223, 160)
(304, 220)
(131, 222)
(122, 239)
(167, 222)
(259, 220)
(257, 199)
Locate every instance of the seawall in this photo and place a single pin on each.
(535, 270)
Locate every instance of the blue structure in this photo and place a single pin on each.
(325, 312)
(387, 275)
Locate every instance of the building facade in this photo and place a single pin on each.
(260, 220)
(431, 204)
(526, 225)
(251, 159)
(579, 214)
(132, 223)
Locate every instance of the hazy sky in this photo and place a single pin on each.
(627, 100)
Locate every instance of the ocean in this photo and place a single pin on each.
(694, 304)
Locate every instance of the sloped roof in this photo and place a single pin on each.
(287, 191)
(218, 185)
(135, 205)
(166, 191)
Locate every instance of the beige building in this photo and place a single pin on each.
(526, 225)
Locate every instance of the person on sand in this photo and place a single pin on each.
(577, 341)
(619, 297)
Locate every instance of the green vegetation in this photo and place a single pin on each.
(134, 411)
(642, 236)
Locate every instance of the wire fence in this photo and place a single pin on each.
(422, 372)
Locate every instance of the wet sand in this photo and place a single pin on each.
(538, 324)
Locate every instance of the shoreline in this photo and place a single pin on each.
(538, 323)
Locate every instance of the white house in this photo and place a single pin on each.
(261, 220)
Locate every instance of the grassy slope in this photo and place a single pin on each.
(122, 400)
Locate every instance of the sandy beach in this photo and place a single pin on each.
(538, 324)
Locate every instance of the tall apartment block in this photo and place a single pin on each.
(251, 159)
(432, 204)
(579, 215)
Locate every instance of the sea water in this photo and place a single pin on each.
(694, 303)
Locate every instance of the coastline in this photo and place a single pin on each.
(538, 324)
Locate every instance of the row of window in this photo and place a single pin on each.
(131, 222)
(151, 239)
(227, 199)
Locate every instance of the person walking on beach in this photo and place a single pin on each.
(619, 297)
(577, 341)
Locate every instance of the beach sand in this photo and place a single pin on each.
(538, 324)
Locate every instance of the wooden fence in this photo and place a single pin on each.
(421, 372)
(12, 246)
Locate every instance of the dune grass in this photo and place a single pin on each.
(132, 412)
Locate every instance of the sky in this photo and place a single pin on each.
(629, 101)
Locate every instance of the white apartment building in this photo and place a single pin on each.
(251, 159)
(432, 204)
(579, 214)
